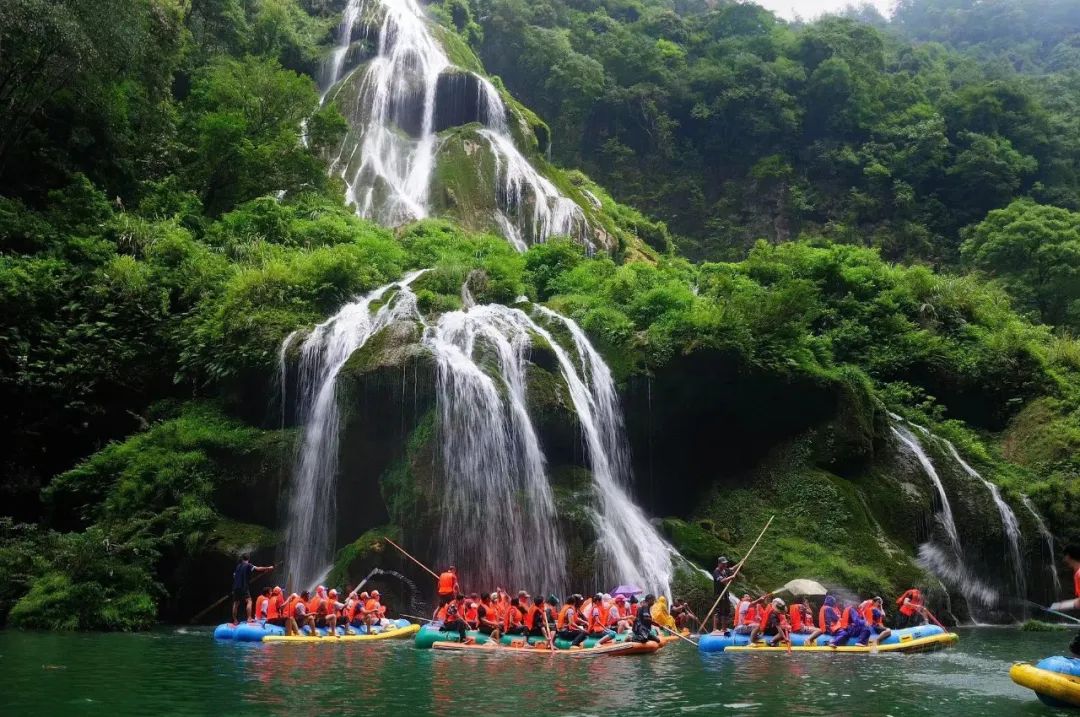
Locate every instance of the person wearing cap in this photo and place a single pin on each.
(643, 622)
(773, 624)
(619, 616)
(332, 609)
(722, 575)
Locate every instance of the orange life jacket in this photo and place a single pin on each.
(513, 618)
(752, 614)
(372, 606)
(846, 617)
(766, 613)
(440, 615)
(867, 610)
(260, 606)
(472, 613)
(533, 617)
(314, 604)
(446, 583)
(597, 622)
(916, 600)
(564, 617)
(273, 608)
(795, 611)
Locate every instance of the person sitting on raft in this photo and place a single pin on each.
(275, 609)
(262, 604)
(854, 626)
(773, 624)
(875, 618)
(488, 614)
(535, 621)
(596, 621)
(302, 617)
(452, 621)
(683, 615)
(514, 623)
(566, 624)
(1071, 558)
(829, 617)
(620, 617)
(912, 611)
(472, 611)
(746, 614)
(801, 619)
(643, 622)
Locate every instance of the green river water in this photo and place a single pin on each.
(184, 672)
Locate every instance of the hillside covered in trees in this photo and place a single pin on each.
(808, 228)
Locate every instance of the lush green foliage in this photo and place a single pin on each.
(733, 126)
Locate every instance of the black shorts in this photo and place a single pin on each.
(724, 608)
(242, 594)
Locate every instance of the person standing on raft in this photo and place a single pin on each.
(912, 611)
(448, 585)
(722, 575)
(241, 588)
(1071, 557)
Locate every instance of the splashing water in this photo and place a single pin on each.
(312, 509)
(630, 547)
(952, 568)
(389, 169)
(1048, 539)
(498, 513)
(1009, 522)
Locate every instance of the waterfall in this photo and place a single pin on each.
(498, 514)
(1009, 522)
(1048, 539)
(309, 541)
(952, 568)
(390, 168)
(945, 514)
(629, 545)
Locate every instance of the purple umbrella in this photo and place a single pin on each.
(627, 591)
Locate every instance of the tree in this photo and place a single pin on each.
(1035, 250)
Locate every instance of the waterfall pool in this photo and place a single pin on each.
(182, 671)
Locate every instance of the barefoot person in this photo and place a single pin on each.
(241, 588)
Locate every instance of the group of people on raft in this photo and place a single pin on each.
(299, 610)
(573, 619)
(770, 619)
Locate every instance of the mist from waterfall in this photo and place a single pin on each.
(312, 509)
(389, 168)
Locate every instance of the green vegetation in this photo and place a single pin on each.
(163, 228)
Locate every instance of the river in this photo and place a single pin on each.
(184, 672)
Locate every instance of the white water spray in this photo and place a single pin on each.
(312, 506)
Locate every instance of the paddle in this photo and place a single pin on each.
(678, 635)
(225, 597)
(735, 574)
(1053, 612)
(406, 554)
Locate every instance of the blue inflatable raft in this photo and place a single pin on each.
(1055, 680)
(256, 631)
(910, 639)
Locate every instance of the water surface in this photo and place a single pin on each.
(184, 672)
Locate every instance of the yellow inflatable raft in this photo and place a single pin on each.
(913, 644)
(1055, 680)
(389, 634)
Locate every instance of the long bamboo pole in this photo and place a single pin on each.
(406, 554)
(735, 575)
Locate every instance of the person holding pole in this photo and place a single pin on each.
(723, 574)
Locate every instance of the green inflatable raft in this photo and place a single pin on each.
(429, 635)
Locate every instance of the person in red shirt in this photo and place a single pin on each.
(1071, 556)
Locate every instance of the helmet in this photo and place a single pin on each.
(374, 593)
(777, 603)
(364, 596)
(333, 593)
(722, 560)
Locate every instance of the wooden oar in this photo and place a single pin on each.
(936, 621)
(678, 635)
(225, 597)
(406, 554)
(416, 617)
(735, 574)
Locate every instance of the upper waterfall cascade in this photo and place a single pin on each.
(389, 159)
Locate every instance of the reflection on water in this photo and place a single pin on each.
(183, 672)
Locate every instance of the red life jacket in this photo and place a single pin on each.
(823, 625)
(513, 618)
(867, 610)
(916, 601)
(274, 608)
(766, 613)
(446, 583)
(533, 617)
(260, 606)
(795, 611)
(596, 619)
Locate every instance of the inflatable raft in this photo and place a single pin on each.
(260, 632)
(520, 648)
(429, 635)
(925, 638)
(1055, 680)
